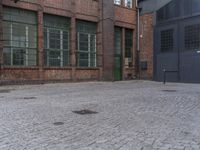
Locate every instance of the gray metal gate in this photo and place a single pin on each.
(177, 50)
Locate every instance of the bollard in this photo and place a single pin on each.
(164, 76)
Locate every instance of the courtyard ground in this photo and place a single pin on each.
(128, 115)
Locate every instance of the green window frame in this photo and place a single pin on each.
(118, 40)
(56, 41)
(86, 44)
(129, 45)
(19, 37)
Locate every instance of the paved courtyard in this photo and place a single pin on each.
(132, 115)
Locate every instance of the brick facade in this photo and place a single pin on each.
(146, 45)
(103, 12)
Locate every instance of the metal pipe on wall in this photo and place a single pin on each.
(138, 37)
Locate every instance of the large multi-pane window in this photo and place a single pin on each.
(19, 37)
(117, 2)
(192, 37)
(129, 3)
(56, 40)
(128, 45)
(86, 44)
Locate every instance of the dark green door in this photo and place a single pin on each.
(118, 58)
(118, 68)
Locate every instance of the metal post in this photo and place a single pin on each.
(138, 38)
(164, 76)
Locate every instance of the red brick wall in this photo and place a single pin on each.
(20, 74)
(90, 10)
(146, 44)
(126, 18)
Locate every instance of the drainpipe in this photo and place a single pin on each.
(138, 37)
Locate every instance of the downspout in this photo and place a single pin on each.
(138, 38)
(1, 38)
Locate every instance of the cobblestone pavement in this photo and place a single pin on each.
(132, 115)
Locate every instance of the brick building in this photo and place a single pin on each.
(47, 40)
(147, 22)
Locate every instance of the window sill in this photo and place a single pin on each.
(57, 68)
(20, 68)
(87, 68)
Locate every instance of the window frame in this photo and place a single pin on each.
(126, 3)
(189, 43)
(48, 49)
(56, 31)
(26, 58)
(172, 40)
(118, 2)
(89, 52)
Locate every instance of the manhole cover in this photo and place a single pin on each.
(85, 112)
(58, 123)
(29, 97)
(169, 90)
(4, 91)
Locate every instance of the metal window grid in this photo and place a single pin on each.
(19, 37)
(86, 44)
(167, 41)
(192, 37)
(56, 41)
(128, 43)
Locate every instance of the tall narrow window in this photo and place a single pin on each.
(128, 46)
(129, 3)
(117, 2)
(86, 44)
(56, 41)
(20, 37)
(118, 40)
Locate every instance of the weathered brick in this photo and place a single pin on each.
(90, 10)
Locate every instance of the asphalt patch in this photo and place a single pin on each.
(85, 112)
(58, 123)
(27, 98)
(169, 90)
(5, 91)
